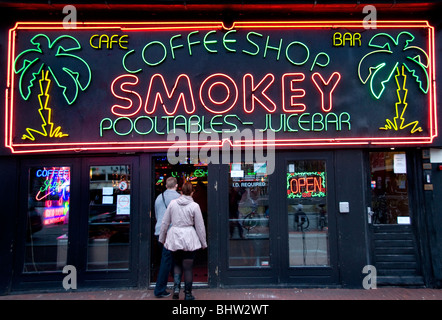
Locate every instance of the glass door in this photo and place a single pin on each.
(391, 228)
(249, 237)
(47, 221)
(307, 230)
(109, 217)
(245, 218)
(389, 188)
(110, 202)
(197, 174)
(307, 213)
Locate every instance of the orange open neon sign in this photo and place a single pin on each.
(306, 185)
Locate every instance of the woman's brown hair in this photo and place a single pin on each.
(187, 188)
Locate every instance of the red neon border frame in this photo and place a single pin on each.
(158, 145)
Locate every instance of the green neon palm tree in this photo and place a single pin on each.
(70, 72)
(392, 56)
(378, 67)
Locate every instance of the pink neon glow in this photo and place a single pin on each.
(183, 96)
(222, 84)
(117, 107)
(206, 93)
(293, 106)
(266, 82)
(335, 77)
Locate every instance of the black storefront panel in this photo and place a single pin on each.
(197, 87)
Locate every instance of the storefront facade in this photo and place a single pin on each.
(313, 146)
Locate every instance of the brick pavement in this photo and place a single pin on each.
(383, 293)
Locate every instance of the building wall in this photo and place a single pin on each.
(8, 190)
(352, 238)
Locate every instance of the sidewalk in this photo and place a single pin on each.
(243, 295)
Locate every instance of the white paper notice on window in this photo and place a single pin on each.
(123, 204)
(291, 168)
(260, 168)
(108, 191)
(435, 155)
(403, 220)
(235, 171)
(237, 174)
(399, 163)
(108, 200)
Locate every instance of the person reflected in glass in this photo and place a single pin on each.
(301, 219)
(234, 198)
(186, 235)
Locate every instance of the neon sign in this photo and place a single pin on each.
(51, 172)
(198, 173)
(45, 113)
(56, 183)
(176, 44)
(306, 185)
(402, 98)
(97, 41)
(53, 215)
(340, 39)
(44, 53)
(51, 189)
(312, 83)
(171, 99)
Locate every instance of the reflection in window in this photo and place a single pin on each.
(109, 217)
(248, 216)
(307, 213)
(389, 188)
(47, 219)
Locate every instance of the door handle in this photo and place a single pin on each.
(370, 215)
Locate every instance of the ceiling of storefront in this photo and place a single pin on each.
(214, 5)
(227, 10)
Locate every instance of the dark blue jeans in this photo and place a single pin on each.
(166, 267)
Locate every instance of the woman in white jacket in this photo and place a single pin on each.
(183, 232)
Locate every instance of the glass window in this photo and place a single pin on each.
(248, 216)
(47, 219)
(109, 217)
(389, 188)
(307, 213)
